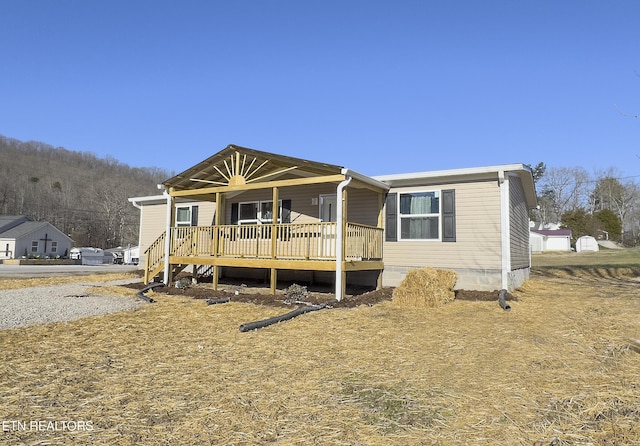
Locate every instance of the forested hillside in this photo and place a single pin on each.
(82, 195)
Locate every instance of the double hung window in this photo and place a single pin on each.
(419, 215)
(186, 215)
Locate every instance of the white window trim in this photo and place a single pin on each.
(35, 244)
(54, 246)
(182, 223)
(439, 215)
(259, 220)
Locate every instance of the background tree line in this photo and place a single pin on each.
(603, 205)
(82, 195)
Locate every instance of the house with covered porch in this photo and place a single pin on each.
(248, 213)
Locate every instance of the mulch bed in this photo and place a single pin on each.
(259, 294)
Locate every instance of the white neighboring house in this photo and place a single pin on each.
(20, 236)
(132, 255)
(541, 240)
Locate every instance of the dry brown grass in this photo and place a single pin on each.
(558, 368)
(10, 284)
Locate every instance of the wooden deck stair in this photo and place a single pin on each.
(155, 260)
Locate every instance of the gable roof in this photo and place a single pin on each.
(253, 165)
(25, 227)
(238, 168)
(10, 221)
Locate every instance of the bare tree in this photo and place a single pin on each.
(81, 194)
(563, 189)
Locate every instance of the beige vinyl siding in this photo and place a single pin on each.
(305, 208)
(478, 241)
(152, 225)
(519, 224)
(362, 206)
(153, 221)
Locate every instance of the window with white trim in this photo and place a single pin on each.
(186, 216)
(34, 246)
(419, 215)
(54, 246)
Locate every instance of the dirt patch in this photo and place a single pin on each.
(260, 295)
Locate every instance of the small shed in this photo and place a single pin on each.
(89, 256)
(587, 243)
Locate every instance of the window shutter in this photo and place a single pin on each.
(286, 211)
(449, 215)
(194, 215)
(234, 213)
(391, 213)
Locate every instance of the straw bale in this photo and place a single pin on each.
(425, 287)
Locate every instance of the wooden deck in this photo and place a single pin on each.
(308, 246)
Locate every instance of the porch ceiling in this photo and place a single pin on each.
(238, 166)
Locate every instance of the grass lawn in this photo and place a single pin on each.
(561, 368)
(604, 257)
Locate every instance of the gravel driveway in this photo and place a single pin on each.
(40, 305)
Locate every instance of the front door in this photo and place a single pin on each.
(328, 205)
(327, 242)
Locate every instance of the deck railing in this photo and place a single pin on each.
(363, 242)
(300, 241)
(154, 257)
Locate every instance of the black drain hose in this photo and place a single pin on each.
(222, 300)
(502, 300)
(285, 317)
(141, 295)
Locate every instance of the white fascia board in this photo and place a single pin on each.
(365, 179)
(410, 179)
(155, 199)
(390, 179)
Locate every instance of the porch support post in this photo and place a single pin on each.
(275, 211)
(167, 239)
(381, 197)
(216, 239)
(340, 226)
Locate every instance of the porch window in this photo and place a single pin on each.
(34, 246)
(186, 215)
(256, 212)
(419, 214)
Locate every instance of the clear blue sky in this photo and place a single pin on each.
(381, 87)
